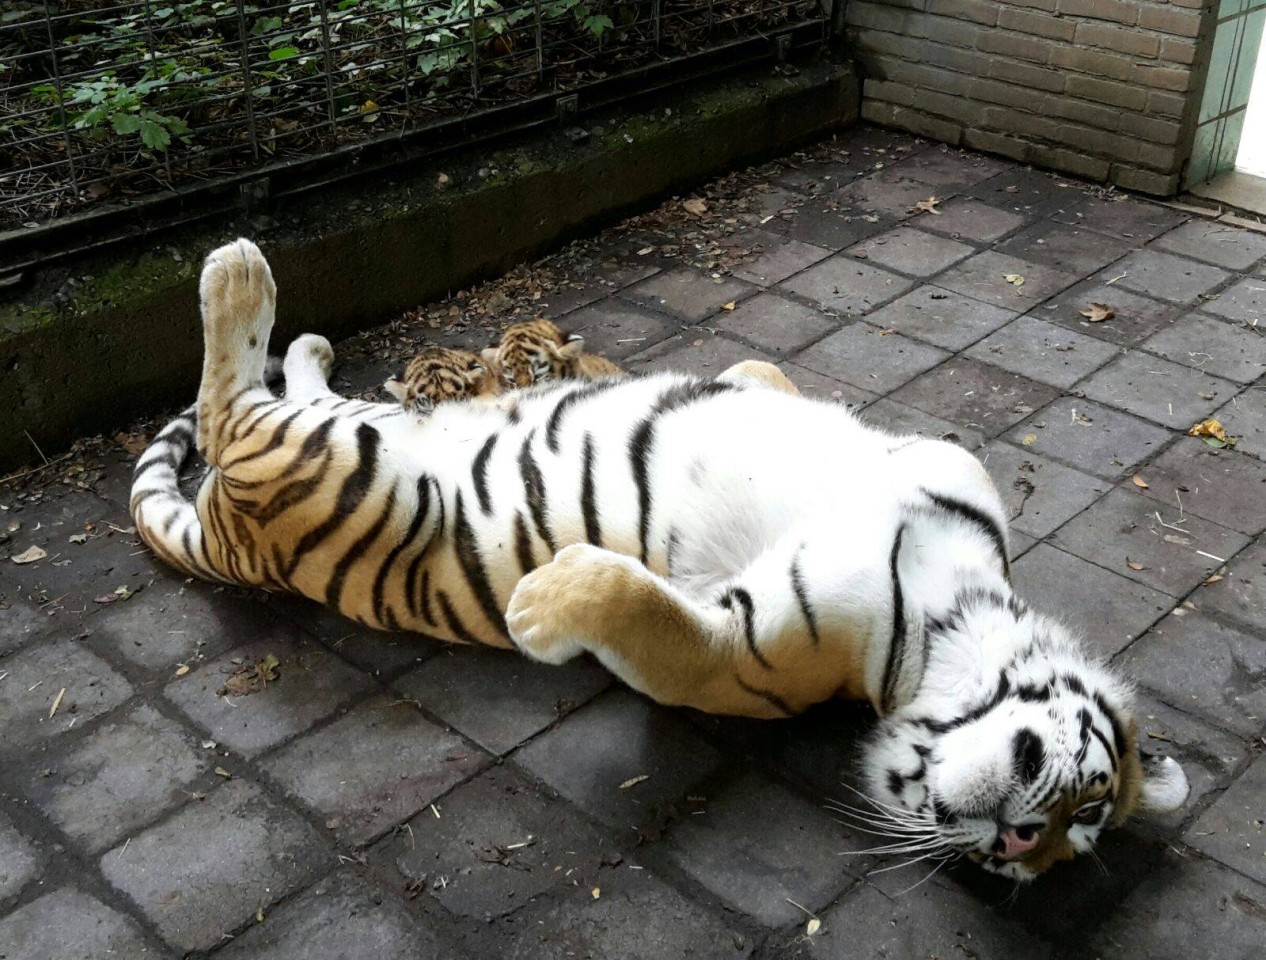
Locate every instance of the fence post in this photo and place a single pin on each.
(248, 85)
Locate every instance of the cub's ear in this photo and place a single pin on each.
(570, 348)
(396, 389)
(1164, 787)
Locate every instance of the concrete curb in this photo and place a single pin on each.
(84, 352)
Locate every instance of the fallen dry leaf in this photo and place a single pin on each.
(1213, 433)
(1029, 439)
(634, 781)
(1140, 482)
(1215, 578)
(182, 669)
(251, 678)
(597, 892)
(221, 772)
(695, 205)
(728, 306)
(812, 927)
(30, 555)
(929, 205)
(1098, 312)
(1014, 279)
(78, 538)
(1134, 565)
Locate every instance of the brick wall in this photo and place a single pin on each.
(1105, 89)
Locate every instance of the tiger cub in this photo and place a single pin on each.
(440, 374)
(536, 351)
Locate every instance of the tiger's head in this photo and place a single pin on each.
(535, 351)
(1020, 767)
(440, 374)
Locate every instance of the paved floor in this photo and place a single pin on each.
(390, 797)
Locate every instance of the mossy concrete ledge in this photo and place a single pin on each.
(85, 348)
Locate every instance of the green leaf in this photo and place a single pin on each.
(126, 123)
(598, 25)
(283, 53)
(154, 135)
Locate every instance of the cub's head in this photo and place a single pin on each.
(1019, 767)
(534, 352)
(440, 374)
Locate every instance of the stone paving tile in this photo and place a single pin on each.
(846, 286)
(963, 218)
(820, 387)
(822, 178)
(1224, 486)
(688, 294)
(311, 685)
(1214, 346)
(696, 351)
(616, 739)
(1202, 667)
(934, 920)
(119, 778)
(976, 395)
(1026, 190)
(1135, 318)
(946, 167)
(70, 925)
(902, 420)
(779, 260)
(618, 330)
(339, 918)
(948, 320)
(379, 652)
(1122, 529)
(830, 228)
(34, 680)
(774, 324)
(1090, 436)
(1163, 275)
(20, 861)
(1158, 390)
(1043, 352)
(1128, 219)
(497, 844)
(1241, 593)
(375, 766)
(499, 698)
(866, 357)
(635, 916)
(22, 621)
(1233, 830)
(1245, 418)
(911, 251)
(180, 624)
(1108, 611)
(1224, 246)
(1068, 248)
(983, 277)
(1244, 301)
(1039, 494)
(1184, 910)
(604, 278)
(887, 194)
(794, 856)
(208, 870)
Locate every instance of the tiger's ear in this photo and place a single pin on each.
(570, 348)
(396, 389)
(1164, 788)
(489, 357)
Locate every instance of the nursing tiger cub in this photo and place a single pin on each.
(440, 375)
(536, 351)
(715, 543)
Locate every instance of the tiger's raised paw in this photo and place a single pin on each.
(559, 608)
(238, 292)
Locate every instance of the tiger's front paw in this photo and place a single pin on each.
(559, 607)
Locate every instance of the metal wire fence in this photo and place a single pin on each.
(103, 102)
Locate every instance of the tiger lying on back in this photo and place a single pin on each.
(532, 352)
(688, 533)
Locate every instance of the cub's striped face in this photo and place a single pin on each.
(1026, 772)
(439, 375)
(536, 352)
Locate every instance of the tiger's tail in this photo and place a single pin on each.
(167, 522)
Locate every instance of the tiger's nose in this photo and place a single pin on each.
(1015, 842)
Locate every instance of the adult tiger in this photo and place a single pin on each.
(715, 543)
